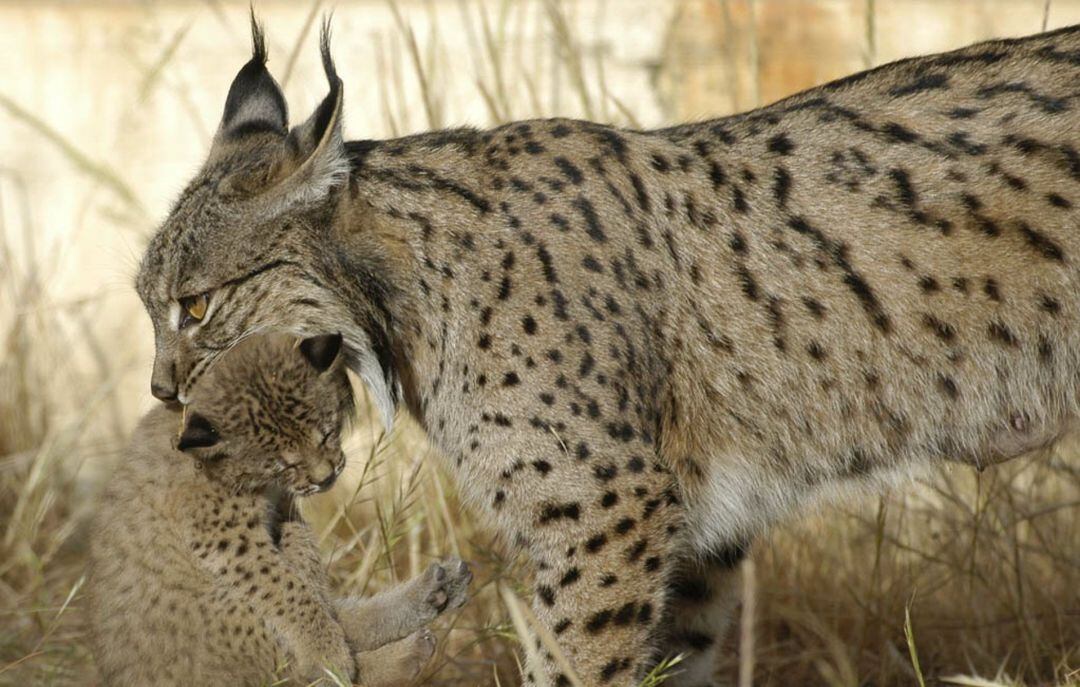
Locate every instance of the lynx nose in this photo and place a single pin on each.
(163, 378)
(163, 393)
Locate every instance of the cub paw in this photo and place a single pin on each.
(447, 584)
(398, 663)
(419, 647)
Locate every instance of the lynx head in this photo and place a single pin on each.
(270, 414)
(248, 246)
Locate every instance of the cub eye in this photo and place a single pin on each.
(194, 308)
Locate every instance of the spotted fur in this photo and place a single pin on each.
(201, 572)
(637, 349)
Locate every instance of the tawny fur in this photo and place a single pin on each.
(201, 573)
(637, 349)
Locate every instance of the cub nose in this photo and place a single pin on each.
(327, 483)
(162, 392)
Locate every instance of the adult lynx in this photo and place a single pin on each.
(637, 349)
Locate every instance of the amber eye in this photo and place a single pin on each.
(194, 308)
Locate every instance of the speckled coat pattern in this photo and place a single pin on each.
(637, 349)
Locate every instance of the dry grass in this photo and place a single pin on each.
(964, 578)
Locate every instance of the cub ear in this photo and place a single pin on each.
(198, 433)
(321, 351)
(316, 146)
(255, 102)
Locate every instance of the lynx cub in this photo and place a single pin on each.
(200, 572)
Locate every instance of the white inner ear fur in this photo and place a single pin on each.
(329, 169)
(325, 168)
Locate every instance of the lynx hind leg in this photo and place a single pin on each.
(397, 663)
(702, 597)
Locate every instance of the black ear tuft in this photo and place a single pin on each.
(324, 115)
(258, 38)
(324, 52)
(307, 137)
(321, 351)
(254, 103)
(198, 433)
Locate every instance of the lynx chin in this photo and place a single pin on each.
(636, 350)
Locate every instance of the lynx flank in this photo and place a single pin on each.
(637, 349)
(200, 573)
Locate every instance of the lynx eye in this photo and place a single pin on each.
(194, 308)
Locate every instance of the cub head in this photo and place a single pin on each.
(270, 414)
(248, 247)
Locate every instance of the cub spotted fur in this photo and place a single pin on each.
(201, 573)
(638, 349)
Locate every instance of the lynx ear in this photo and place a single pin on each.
(317, 146)
(321, 351)
(255, 102)
(198, 433)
